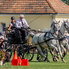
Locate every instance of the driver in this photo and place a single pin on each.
(21, 23)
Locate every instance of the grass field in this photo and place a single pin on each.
(34, 64)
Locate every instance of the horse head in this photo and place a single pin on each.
(55, 27)
(66, 25)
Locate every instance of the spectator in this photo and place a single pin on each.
(1, 36)
(6, 32)
(39, 30)
(1, 39)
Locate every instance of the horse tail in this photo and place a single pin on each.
(30, 37)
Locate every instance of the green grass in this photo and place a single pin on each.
(34, 64)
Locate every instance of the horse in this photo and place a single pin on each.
(47, 40)
(63, 41)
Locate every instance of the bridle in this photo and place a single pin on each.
(54, 28)
(66, 26)
(61, 32)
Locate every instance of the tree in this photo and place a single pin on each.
(66, 1)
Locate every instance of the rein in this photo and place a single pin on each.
(49, 38)
(46, 37)
(53, 36)
(60, 32)
(61, 39)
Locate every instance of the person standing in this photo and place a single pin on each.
(1, 39)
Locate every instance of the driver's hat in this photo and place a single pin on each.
(21, 15)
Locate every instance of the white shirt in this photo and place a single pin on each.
(11, 24)
(19, 23)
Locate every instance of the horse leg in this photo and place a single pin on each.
(67, 45)
(64, 50)
(59, 50)
(40, 51)
(53, 56)
(51, 46)
(58, 56)
(37, 55)
(47, 56)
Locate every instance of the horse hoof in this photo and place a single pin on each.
(39, 60)
(55, 60)
(64, 61)
(64, 54)
(58, 57)
(48, 60)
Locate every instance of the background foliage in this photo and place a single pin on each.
(66, 1)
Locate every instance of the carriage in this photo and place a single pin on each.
(24, 50)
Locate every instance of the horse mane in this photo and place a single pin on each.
(54, 21)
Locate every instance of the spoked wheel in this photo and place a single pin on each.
(40, 58)
(8, 47)
(9, 50)
(29, 53)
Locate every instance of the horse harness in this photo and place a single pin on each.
(61, 39)
(45, 39)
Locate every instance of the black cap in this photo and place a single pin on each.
(12, 18)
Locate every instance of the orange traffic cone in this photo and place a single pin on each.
(15, 60)
(24, 62)
(15, 55)
(19, 59)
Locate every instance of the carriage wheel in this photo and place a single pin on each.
(8, 47)
(41, 58)
(9, 50)
(29, 54)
